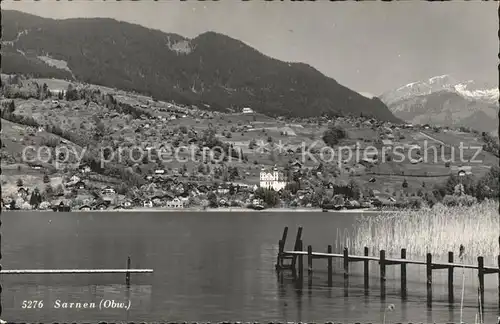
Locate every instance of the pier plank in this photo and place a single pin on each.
(383, 262)
(389, 261)
(73, 271)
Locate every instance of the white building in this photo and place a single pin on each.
(175, 203)
(461, 170)
(272, 179)
(247, 110)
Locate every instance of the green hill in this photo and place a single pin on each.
(210, 69)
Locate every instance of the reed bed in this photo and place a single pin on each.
(437, 231)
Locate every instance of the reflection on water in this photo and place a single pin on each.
(208, 268)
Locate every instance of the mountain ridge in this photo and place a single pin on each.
(210, 68)
(443, 100)
(468, 89)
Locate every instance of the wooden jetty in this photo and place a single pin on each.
(126, 271)
(297, 265)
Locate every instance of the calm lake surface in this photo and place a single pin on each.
(207, 267)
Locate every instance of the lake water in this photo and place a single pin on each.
(207, 267)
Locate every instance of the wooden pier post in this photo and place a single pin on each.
(279, 258)
(403, 274)
(498, 264)
(330, 267)
(309, 267)
(480, 274)
(429, 279)
(346, 271)
(309, 260)
(301, 262)
(451, 297)
(285, 234)
(382, 274)
(127, 275)
(366, 271)
(281, 248)
(298, 238)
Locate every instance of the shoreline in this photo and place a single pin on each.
(226, 209)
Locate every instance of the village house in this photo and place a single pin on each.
(203, 188)
(223, 188)
(257, 202)
(159, 172)
(387, 142)
(36, 166)
(108, 190)
(272, 179)
(80, 185)
(223, 202)
(247, 110)
(22, 192)
(101, 206)
(74, 179)
(296, 166)
(367, 162)
(461, 170)
(85, 207)
(175, 203)
(148, 203)
(84, 168)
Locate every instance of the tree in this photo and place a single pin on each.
(212, 200)
(35, 198)
(45, 90)
(355, 189)
(100, 128)
(333, 135)
(71, 93)
(59, 190)
(488, 186)
(269, 196)
(405, 184)
(19, 182)
(292, 187)
(49, 191)
(11, 107)
(252, 144)
(233, 173)
(430, 199)
(459, 190)
(46, 178)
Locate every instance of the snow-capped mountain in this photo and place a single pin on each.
(443, 100)
(468, 89)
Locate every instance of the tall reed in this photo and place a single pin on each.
(437, 231)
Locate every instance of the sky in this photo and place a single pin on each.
(370, 47)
